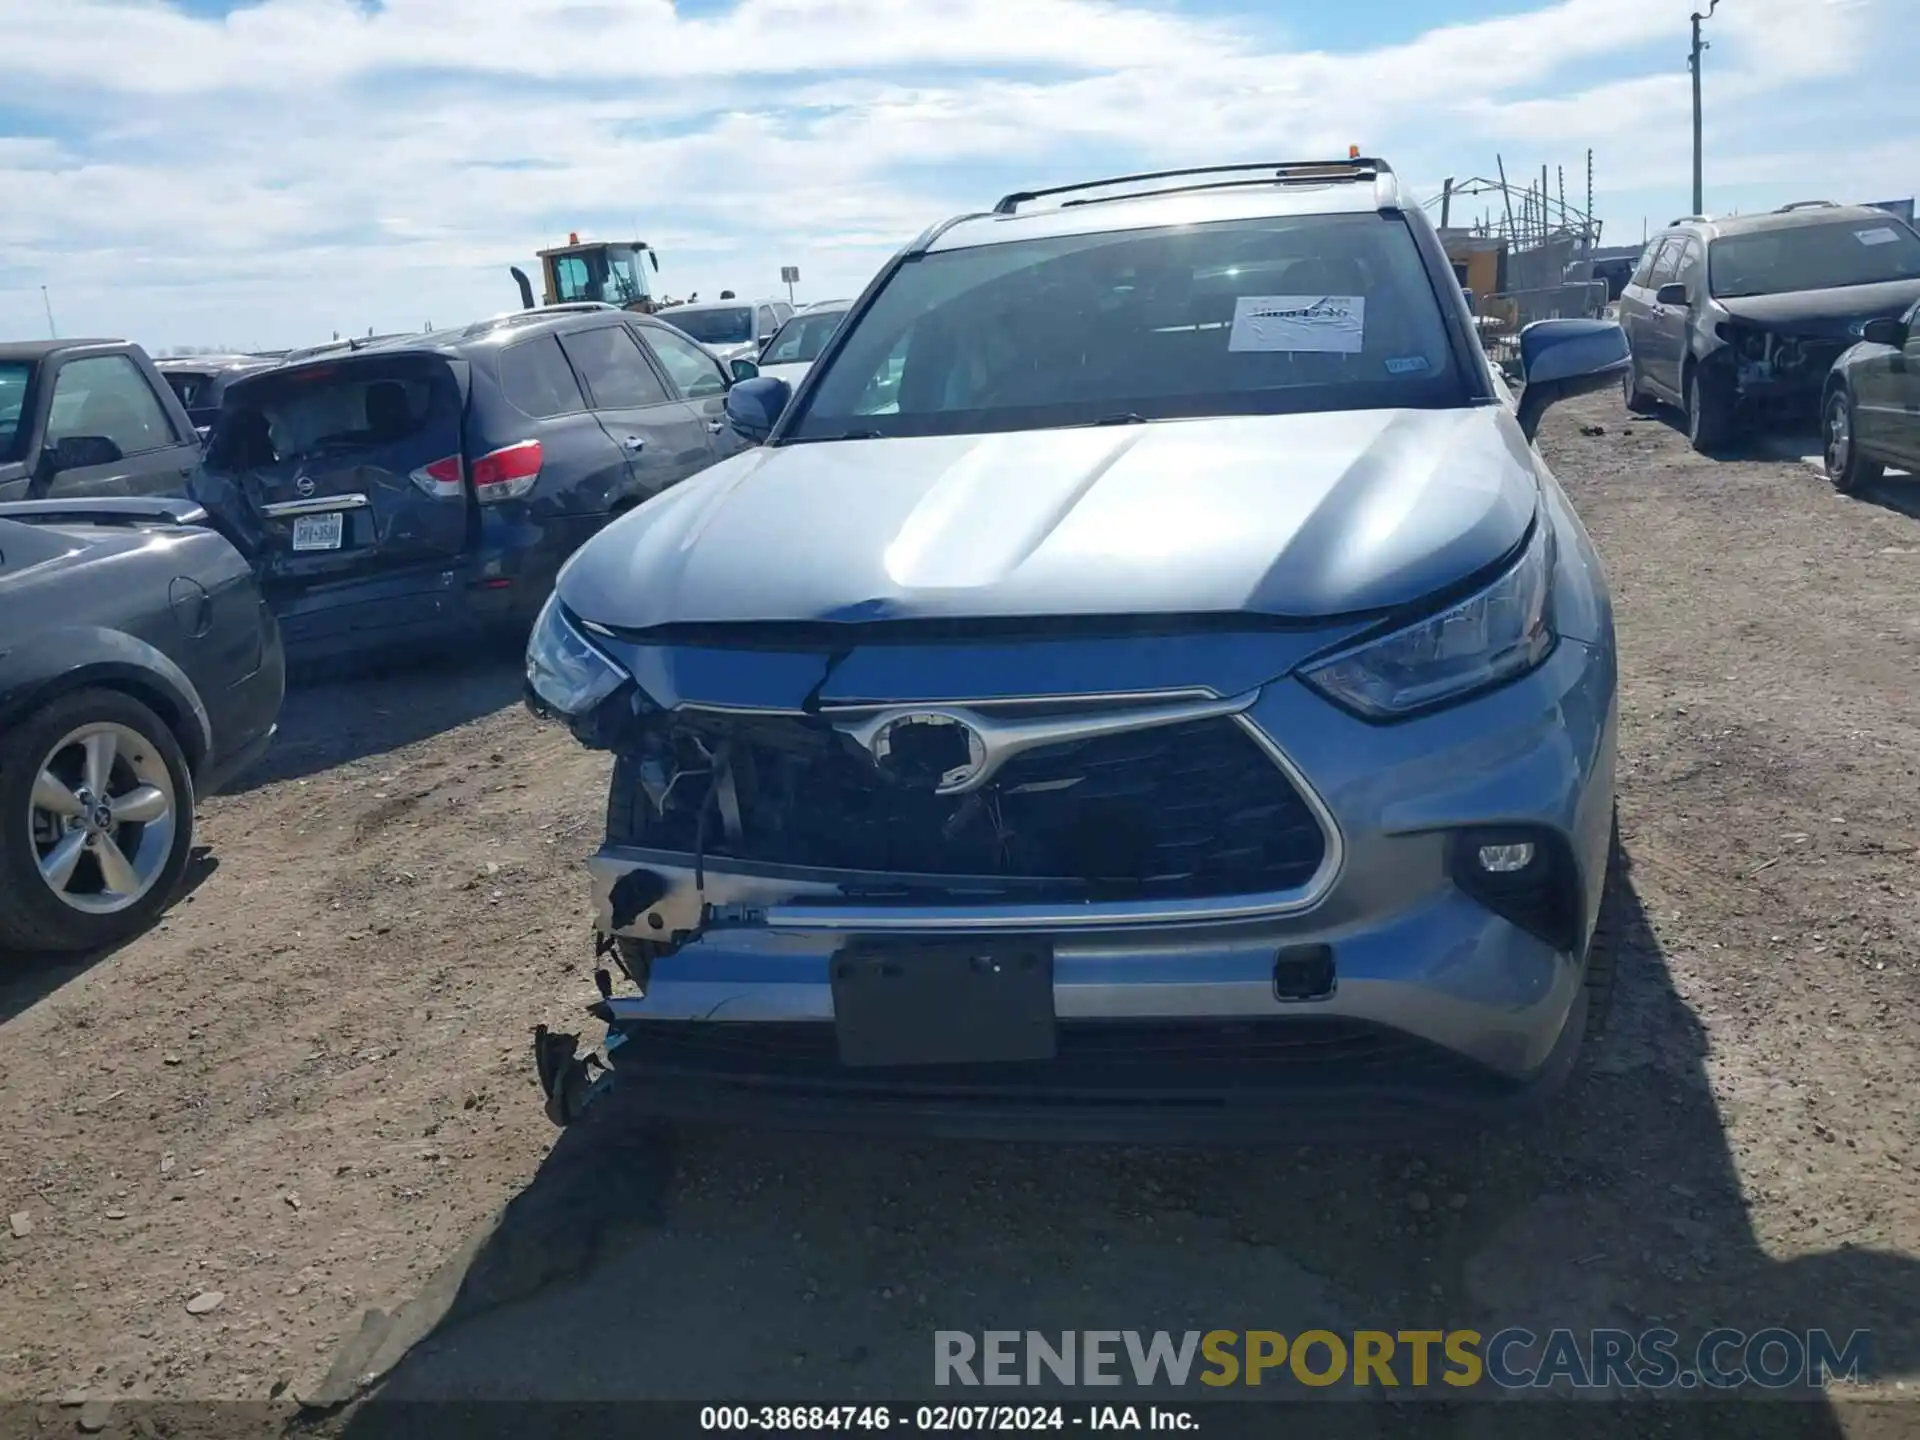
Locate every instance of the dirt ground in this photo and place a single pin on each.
(309, 1093)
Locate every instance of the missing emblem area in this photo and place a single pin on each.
(928, 752)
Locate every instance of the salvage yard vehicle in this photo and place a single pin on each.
(1871, 410)
(90, 417)
(201, 381)
(1739, 320)
(139, 670)
(798, 343)
(1189, 713)
(731, 329)
(429, 487)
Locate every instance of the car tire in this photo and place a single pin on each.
(1609, 936)
(1710, 417)
(1637, 400)
(1846, 467)
(147, 776)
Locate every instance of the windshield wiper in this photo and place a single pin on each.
(861, 435)
(1129, 418)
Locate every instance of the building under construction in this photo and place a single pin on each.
(1522, 250)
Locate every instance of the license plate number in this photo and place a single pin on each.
(318, 532)
(948, 1003)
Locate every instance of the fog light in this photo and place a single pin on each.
(1505, 859)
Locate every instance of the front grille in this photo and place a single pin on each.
(1188, 810)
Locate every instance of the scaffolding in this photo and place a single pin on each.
(1531, 252)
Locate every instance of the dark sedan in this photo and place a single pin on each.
(139, 668)
(1871, 409)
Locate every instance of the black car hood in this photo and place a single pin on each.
(1825, 313)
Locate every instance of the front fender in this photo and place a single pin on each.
(74, 657)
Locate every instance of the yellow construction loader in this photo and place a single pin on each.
(604, 272)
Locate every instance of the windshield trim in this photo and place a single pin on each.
(1473, 375)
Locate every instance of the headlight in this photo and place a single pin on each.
(563, 669)
(1484, 640)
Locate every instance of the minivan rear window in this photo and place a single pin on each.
(189, 385)
(328, 409)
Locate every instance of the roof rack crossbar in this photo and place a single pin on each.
(1293, 171)
(1806, 205)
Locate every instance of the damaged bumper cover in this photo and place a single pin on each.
(1175, 1015)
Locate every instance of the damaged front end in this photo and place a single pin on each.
(755, 790)
(1771, 372)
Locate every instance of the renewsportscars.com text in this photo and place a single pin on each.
(1514, 1358)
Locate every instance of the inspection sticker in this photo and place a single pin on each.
(1880, 235)
(1326, 324)
(1406, 364)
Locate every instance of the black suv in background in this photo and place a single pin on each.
(1738, 319)
(425, 488)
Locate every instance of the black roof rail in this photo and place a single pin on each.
(1285, 172)
(1806, 205)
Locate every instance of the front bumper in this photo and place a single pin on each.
(1441, 1005)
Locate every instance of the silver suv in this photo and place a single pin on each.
(1147, 683)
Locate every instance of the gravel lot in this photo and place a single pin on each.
(308, 1093)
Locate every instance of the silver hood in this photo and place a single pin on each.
(1296, 516)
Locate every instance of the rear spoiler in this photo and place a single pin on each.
(108, 510)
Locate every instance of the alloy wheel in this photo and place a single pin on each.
(1839, 436)
(102, 818)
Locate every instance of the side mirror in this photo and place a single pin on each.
(78, 452)
(1885, 332)
(1671, 293)
(743, 369)
(754, 405)
(1563, 358)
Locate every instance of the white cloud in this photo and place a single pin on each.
(306, 165)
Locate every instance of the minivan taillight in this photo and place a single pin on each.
(507, 473)
(441, 479)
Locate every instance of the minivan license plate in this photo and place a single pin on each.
(318, 532)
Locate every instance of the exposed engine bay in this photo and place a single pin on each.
(1768, 367)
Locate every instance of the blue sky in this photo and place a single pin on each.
(203, 172)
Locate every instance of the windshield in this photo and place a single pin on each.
(801, 338)
(1241, 317)
(14, 375)
(1813, 257)
(732, 325)
(609, 275)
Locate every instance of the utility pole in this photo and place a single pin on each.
(1693, 64)
(52, 334)
(1446, 201)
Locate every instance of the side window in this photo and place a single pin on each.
(765, 322)
(106, 395)
(536, 379)
(1643, 272)
(1667, 265)
(697, 373)
(1692, 266)
(617, 374)
(782, 311)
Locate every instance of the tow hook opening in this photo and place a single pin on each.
(569, 1080)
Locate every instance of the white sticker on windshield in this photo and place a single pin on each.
(1323, 324)
(1882, 235)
